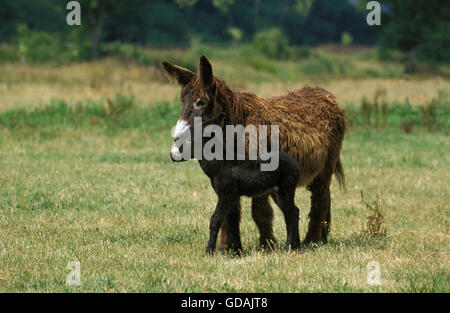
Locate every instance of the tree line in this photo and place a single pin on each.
(417, 27)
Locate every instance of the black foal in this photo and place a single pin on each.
(232, 179)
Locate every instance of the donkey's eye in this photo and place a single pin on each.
(199, 104)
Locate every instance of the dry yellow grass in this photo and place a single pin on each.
(35, 85)
(418, 91)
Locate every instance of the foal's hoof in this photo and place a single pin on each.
(268, 245)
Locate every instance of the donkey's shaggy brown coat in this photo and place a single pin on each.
(311, 127)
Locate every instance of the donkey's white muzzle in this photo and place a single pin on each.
(180, 128)
(175, 154)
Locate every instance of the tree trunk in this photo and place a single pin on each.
(97, 22)
(410, 64)
(256, 21)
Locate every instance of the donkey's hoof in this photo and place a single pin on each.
(237, 252)
(210, 250)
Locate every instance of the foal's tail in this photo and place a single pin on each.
(339, 174)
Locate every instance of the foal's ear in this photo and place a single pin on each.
(206, 73)
(176, 73)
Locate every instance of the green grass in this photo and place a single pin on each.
(104, 192)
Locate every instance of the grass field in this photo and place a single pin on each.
(78, 183)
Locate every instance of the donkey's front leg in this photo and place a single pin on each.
(214, 226)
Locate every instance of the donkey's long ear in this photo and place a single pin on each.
(206, 73)
(176, 73)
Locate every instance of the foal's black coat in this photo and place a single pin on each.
(232, 179)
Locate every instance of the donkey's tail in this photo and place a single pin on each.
(339, 173)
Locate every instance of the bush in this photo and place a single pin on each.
(8, 54)
(433, 48)
(126, 51)
(346, 39)
(36, 46)
(302, 52)
(272, 43)
(325, 64)
(149, 57)
(39, 46)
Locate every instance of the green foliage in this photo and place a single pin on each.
(433, 111)
(37, 46)
(123, 112)
(302, 52)
(166, 23)
(120, 112)
(149, 57)
(45, 15)
(236, 34)
(32, 46)
(326, 64)
(303, 7)
(223, 5)
(377, 113)
(434, 47)
(8, 53)
(119, 105)
(346, 39)
(418, 27)
(185, 3)
(97, 7)
(272, 43)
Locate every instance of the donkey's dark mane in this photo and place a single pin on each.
(231, 102)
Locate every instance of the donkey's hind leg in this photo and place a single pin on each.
(226, 239)
(320, 214)
(262, 214)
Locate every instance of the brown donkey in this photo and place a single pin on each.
(311, 129)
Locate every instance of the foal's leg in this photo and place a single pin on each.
(233, 227)
(262, 214)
